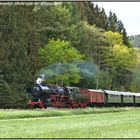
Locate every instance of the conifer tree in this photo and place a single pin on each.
(112, 22)
(5, 95)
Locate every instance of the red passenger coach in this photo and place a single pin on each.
(96, 97)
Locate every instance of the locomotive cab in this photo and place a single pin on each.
(73, 90)
(77, 95)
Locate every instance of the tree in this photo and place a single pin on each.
(88, 72)
(62, 73)
(5, 95)
(135, 86)
(112, 22)
(8, 99)
(136, 73)
(93, 15)
(58, 51)
(19, 44)
(59, 21)
(94, 45)
(58, 56)
(113, 38)
(116, 25)
(120, 60)
(135, 41)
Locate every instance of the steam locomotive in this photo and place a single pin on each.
(47, 95)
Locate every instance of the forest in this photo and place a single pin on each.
(135, 40)
(72, 43)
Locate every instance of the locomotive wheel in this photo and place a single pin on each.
(75, 105)
(82, 105)
(69, 106)
(45, 106)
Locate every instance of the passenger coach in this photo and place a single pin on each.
(111, 98)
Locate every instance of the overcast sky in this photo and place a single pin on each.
(127, 12)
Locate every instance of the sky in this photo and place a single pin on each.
(127, 12)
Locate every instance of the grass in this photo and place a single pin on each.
(19, 114)
(103, 123)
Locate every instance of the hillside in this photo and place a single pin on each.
(135, 41)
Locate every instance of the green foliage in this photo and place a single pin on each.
(124, 56)
(9, 98)
(60, 53)
(116, 25)
(62, 73)
(92, 43)
(136, 73)
(120, 60)
(112, 22)
(58, 21)
(88, 72)
(5, 95)
(135, 41)
(135, 83)
(19, 43)
(113, 38)
(93, 14)
(102, 78)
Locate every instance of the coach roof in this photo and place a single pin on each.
(112, 92)
(96, 90)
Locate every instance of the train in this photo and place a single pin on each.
(48, 95)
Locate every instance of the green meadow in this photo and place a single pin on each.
(68, 123)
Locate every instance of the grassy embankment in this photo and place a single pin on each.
(90, 123)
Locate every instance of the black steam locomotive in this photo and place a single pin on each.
(45, 95)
